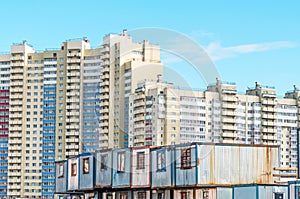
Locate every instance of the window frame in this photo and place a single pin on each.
(73, 169)
(140, 160)
(86, 165)
(121, 162)
(185, 158)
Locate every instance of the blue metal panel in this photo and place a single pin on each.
(86, 171)
(61, 176)
(161, 161)
(104, 168)
(185, 175)
(121, 168)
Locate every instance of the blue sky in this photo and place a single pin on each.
(248, 41)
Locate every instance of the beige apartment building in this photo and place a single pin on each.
(162, 114)
(125, 63)
(47, 112)
(66, 101)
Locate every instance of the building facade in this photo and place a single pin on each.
(162, 114)
(58, 103)
(4, 122)
(124, 64)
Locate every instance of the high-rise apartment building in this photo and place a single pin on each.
(57, 103)
(162, 114)
(49, 104)
(4, 122)
(124, 63)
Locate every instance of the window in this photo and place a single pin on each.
(185, 158)
(123, 195)
(205, 194)
(121, 162)
(141, 195)
(184, 195)
(278, 196)
(103, 163)
(73, 169)
(140, 160)
(160, 195)
(161, 161)
(61, 170)
(86, 165)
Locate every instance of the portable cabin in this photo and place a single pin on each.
(121, 168)
(73, 173)
(121, 194)
(103, 168)
(61, 180)
(162, 171)
(140, 172)
(209, 192)
(294, 189)
(86, 171)
(259, 191)
(200, 164)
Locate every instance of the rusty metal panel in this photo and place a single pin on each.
(140, 171)
(237, 164)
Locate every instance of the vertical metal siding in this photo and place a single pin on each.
(140, 177)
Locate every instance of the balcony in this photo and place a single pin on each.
(105, 110)
(228, 135)
(105, 56)
(103, 124)
(139, 140)
(140, 125)
(268, 109)
(139, 118)
(73, 60)
(269, 102)
(139, 104)
(105, 90)
(269, 130)
(104, 104)
(229, 105)
(229, 99)
(74, 67)
(72, 140)
(103, 77)
(105, 83)
(229, 127)
(74, 54)
(103, 138)
(228, 120)
(229, 113)
(14, 58)
(269, 137)
(105, 117)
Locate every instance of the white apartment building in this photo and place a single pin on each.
(161, 114)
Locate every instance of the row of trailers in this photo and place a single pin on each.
(186, 171)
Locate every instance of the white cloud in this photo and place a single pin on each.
(216, 51)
